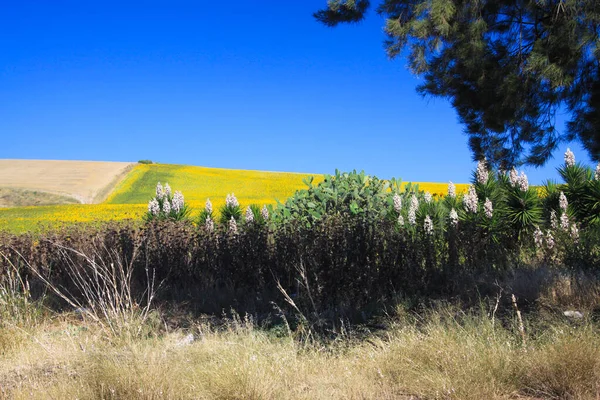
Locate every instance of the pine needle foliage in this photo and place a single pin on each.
(507, 67)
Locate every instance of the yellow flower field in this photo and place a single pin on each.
(22, 219)
(440, 189)
(199, 183)
(130, 198)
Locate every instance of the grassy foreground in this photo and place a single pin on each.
(443, 354)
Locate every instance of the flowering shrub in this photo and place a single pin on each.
(581, 188)
(498, 218)
(481, 173)
(569, 158)
(470, 201)
(231, 210)
(451, 190)
(206, 214)
(256, 215)
(453, 218)
(166, 205)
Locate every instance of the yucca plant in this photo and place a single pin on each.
(576, 178)
(518, 203)
(231, 210)
(523, 210)
(256, 215)
(434, 209)
(206, 213)
(591, 203)
(549, 198)
(167, 205)
(582, 188)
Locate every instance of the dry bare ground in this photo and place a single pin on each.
(87, 181)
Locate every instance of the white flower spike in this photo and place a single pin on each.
(569, 158)
(451, 190)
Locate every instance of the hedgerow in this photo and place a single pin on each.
(346, 247)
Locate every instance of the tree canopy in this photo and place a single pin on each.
(507, 66)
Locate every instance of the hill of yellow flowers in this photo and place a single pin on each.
(130, 197)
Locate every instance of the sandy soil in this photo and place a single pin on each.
(87, 181)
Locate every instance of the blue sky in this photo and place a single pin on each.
(239, 84)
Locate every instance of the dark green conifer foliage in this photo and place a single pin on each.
(507, 67)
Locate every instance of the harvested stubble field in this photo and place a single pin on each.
(128, 188)
(15, 197)
(87, 181)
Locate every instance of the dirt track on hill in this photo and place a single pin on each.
(87, 181)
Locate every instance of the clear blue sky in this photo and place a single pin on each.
(237, 84)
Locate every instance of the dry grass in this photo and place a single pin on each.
(13, 197)
(86, 181)
(442, 355)
(442, 352)
(579, 291)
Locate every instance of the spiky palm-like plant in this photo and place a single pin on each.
(591, 203)
(582, 191)
(231, 209)
(167, 206)
(523, 209)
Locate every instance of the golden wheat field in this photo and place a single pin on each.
(130, 194)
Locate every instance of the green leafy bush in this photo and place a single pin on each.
(348, 193)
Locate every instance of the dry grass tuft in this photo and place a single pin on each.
(580, 291)
(13, 197)
(569, 368)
